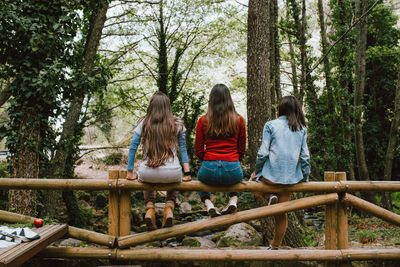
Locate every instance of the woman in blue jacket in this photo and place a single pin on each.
(283, 157)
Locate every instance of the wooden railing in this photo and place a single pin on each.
(118, 239)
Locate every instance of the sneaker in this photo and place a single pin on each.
(271, 248)
(273, 199)
(212, 211)
(230, 208)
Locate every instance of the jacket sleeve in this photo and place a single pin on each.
(200, 140)
(132, 151)
(182, 147)
(242, 137)
(263, 152)
(305, 158)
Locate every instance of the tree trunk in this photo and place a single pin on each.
(258, 74)
(162, 78)
(345, 95)
(276, 93)
(359, 87)
(71, 123)
(26, 163)
(391, 148)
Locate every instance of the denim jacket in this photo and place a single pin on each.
(283, 156)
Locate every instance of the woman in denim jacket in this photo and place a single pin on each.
(283, 157)
(220, 143)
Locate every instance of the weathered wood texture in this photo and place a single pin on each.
(342, 223)
(220, 254)
(212, 223)
(19, 254)
(77, 233)
(113, 206)
(330, 217)
(124, 208)
(101, 184)
(373, 209)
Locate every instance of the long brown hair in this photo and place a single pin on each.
(290, 107)
(222, 118)
(159, 133)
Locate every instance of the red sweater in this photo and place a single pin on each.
(222, 148)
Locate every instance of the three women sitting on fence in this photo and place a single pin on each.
(159, 131)
(283, 158)
(220, 143)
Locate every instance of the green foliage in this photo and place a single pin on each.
(366, 236)
(114, 158)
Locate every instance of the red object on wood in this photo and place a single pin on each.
(38, 222)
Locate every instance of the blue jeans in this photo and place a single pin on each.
(219, 172)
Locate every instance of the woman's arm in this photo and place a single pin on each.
(263, 152)
(184, 157)
(199, 140)
(305, 157)
(131, 156)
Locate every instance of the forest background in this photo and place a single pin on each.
(76, 73)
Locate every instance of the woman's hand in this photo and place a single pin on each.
(131, 175)
(252, 176)
(187, 178)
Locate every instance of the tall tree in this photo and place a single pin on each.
(258, 74)
(36, 71)
(392, 143)
(259, 109)
(359, 87)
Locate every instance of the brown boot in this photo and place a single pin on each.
(168, 214)
(150, 217)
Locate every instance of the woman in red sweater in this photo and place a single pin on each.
(220, 144)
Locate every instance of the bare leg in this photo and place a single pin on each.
(281, 221)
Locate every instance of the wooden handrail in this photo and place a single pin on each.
(246, 186)
(221, 254)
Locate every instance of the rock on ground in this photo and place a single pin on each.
(240, 235)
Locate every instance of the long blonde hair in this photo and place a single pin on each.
(159, 132)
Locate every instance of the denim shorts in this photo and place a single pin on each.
(220, 172)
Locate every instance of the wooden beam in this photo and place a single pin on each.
(330, 217)
(79, 253)
(247, 186)
(342, 222)
(113, 206)
(124, 207)
(221, 254)
(373, 209)
(217, 222)
(57, 184)
(91, 236)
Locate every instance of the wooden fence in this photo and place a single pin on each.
(336, 198)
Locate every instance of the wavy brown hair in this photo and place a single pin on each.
(291, 108)
(159, 133)
(222, 118)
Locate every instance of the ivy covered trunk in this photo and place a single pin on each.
(26, 163)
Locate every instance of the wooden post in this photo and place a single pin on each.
(124, 207)
(342, 225)
(113, 206)
(330, 217)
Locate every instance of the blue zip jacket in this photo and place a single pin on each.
(283, 156)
